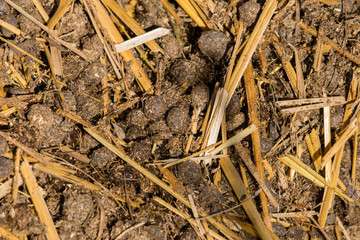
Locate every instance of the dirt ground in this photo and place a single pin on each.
(157, 124)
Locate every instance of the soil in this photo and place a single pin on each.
(151, 126)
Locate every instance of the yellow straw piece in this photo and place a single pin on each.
(11, 28)
(250, 47)
(60, 11)
(115, 37)
(41, 10)
(191, 11)
(22, 51)
(7, 235)
(38, 201)
(310, 174)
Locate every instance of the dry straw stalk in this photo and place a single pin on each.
(241, 190)
(26, 149)
(306, 171)
(250, 47)
(255, 136)
(22, 51)
(131, 23)
(171, 11)
(108, 25)
(313, 143)
(254, 171)
(39, 202)
(60, 11)
(329, 192)
(157, 181)
(191, 11)
(237, 185)
(7, 234)
(11, 28)
(336, 47)
(41, 10)
(46, 29)
(186, 216)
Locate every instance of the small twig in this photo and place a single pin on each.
(194, 127)
(78, 156)
(129, 230)
(101, 222)
(341, 225)
(320, 228)
(26, 149)
(313, 143)
(60, 11)
(127, 197)
(310, 107)
(11, 28)
(287, 66)
(105, 93)
(233, 208)
(194, 158)
(207, 230)
(171, 11)
(54, 71)
(41, 10)
(318, 53)
(294, 214)
(323, 100)
(196, 216)
(21, 99)
(327, 140)
(299, 73)
(297, 18)
(354, 158)
(254, 171)
(16, 176)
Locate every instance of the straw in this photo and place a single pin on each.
(39, 202)
(156, 180)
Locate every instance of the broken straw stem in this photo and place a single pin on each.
(235, 139)
(138, 40)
